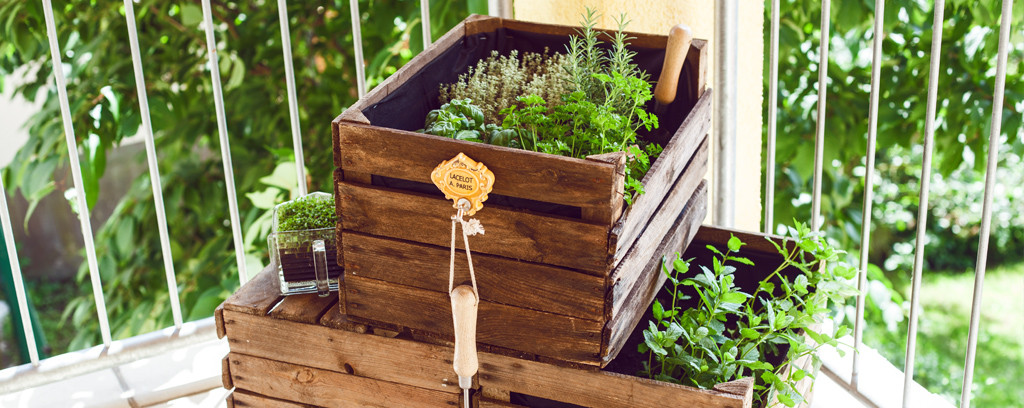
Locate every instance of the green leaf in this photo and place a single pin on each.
(750, 333)
(191, 14)
(786, 400)
(657, 309)
(734, 297)
(734, 243)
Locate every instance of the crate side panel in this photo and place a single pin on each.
(257, 296)
(562, 337)
(316, 346)
(500, 280)
(309, 385)
(510, 233)
(645, 247)
(643, 292)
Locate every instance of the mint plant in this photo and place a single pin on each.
(731, 334)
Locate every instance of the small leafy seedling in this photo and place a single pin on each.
(313, 211)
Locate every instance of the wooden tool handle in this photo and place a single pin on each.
(679, 39)
(464, 306)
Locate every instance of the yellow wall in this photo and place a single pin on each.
(657, 16)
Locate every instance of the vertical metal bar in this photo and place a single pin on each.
(76, 173)
(357, 45)
(19, 283)
(425, 22)
(991, 171)
(154, 170)
(869, 178)
(726, 25)
(773, 105)
(293, 102)
(225, 145)
(819, 139)
(922, 211)
(493, 8)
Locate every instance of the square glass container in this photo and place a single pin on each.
(307, 259)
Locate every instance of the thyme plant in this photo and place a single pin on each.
(731, 334)
(305, 213)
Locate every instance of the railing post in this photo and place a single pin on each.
(726, 28)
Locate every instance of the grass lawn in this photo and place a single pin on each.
(942, 336)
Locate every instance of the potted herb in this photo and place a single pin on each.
(302, 245)
(728, 312)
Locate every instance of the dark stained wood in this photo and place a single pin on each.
(518, 173)
(500, 280)
(626, 272)
(663, 173)
(247, 399)
(225, 373)
(608, 214)
(335, 320)
(513, 233)
(621, 325)
(566, 338)
(218, 318)
(594, 388)
(489, 403)
(309, 385)
(258, 296)
(306, 308)
(365, 355)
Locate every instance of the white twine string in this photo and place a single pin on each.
(471, 227)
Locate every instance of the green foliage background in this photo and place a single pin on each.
(966, 86)
(101, 90)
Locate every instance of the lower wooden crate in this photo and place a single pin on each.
(301, 351)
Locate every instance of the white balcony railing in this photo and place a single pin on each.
(115, 353)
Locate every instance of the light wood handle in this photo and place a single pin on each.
(679, 39)
(464, 306)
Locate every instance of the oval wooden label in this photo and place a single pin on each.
(464, 178)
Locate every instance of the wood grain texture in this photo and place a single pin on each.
(218, 319)
(562, 337)
(305, 308)
(309, 385)
(225, 374)
(500, 280)
(672, 164)
(322, 347)
(513, 234)
(490, 403)
(336, 320)
(248, 399)
(518, 173)
(594, 388)
(743, 387)
(257, 296)
(608, 214)
(621, 325)
(627, 271)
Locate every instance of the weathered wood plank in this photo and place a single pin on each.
(743, 387)
(305, 308)
(218, 319)
(627, 271)
(663, 173)
(500, 280)
(489, 403)
(608, 214)
(563, 337)
(309, 385)
(336, 320)
(248, 399)
(325, 348)
(257, 296)
(518, 173)
(593, 388)
(513, 234)
(225, 373)
(619, 328)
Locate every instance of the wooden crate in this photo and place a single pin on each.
(300, 351)
(563, 265)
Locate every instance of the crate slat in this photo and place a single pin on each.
(309, 385)
(570, 339)
(513, 233)
(247, 399)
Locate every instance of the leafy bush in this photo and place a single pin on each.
(101, 89)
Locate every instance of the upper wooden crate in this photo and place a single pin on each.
(564, 264)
